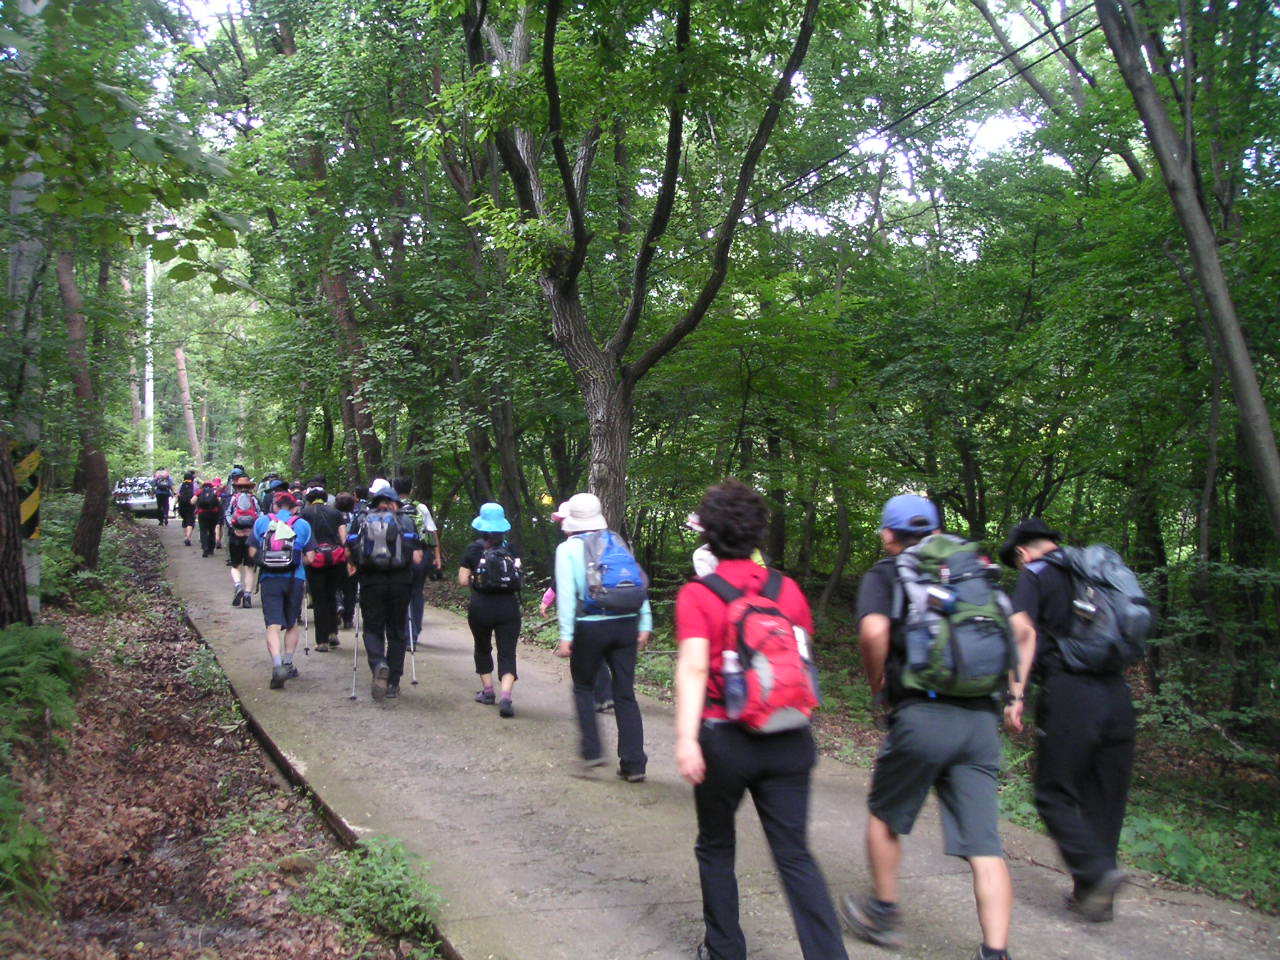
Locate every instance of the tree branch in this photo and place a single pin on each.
(724, 234)
(666, 194)
(568, 274)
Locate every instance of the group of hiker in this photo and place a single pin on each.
(946, 652)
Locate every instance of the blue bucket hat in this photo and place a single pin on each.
(908, 513)
(492, 519)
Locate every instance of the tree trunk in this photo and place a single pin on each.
(504, 433)
(188, 414)
(350, 445)
(135, 399)
(609, 415)
(842, 554)
(13, 586)
(777, 546)
(87, 539)
(336, 293)
(298, 439)
(1185, 191)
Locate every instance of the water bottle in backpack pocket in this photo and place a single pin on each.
(616, 585)
(957, 637)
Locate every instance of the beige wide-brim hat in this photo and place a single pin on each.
(583, 513)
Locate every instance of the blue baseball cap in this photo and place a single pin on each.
(908, 513)
(492, 519)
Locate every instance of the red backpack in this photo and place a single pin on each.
(244, 512)
(780, 679)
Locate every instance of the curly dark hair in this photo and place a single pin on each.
(346, 502)
(734, 518)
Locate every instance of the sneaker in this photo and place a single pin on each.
(1004, 955)
(246, 601)
(589, 765)
(187, 541)
(1096, 903)
(293, 671)
(322, 646)
(630, 777)
(867, 923)
(235, 601)
(381, 676)
(393, 691)
(334, 642)
(704, 952)
(604, 706)
(485, 696)
(505, 709)
(278, 676)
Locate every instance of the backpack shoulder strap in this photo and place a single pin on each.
(721, 587)
(772, 588)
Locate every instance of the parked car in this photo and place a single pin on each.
(136, 495)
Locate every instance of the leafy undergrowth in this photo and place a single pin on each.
(169, 833)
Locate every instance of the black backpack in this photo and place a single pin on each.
(380, 545)
(1110, 615)
(497, 571)
(208, 500)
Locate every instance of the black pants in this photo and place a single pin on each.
(208, 531)
(349, 585)
(604, 684)
(1086, 731)
(613, 642)
(162, 508)
(495, 619)
(417, 602)
(775, 769)
(384, 605)
(324, 584)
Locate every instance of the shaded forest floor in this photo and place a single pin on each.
(1200, 815)
(170, 834)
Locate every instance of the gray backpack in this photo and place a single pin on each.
(381, 542)
(1110, 616)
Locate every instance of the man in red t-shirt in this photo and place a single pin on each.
(723, 760)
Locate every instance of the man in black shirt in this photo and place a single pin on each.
(936, 742)
(1085, 727)
(326, 574)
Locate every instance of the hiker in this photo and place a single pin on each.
(345, 503)
(164, 491)
(281, 544)
(224, 498)
(382, 549)
(187, 491)
(326, 572)
(425, 526)
(1084, 718)
(722, 746)
(490, 566)
(602, 619)
(267, 490)
(319, 481)
(208, 513)
(241, 515)
(944, 723)
(602, 692)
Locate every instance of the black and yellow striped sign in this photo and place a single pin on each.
(26, 471)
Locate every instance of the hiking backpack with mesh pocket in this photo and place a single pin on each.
(244, 511)
(497, 571)
(380, 545)
(1110, 613)
(956, 619)
(616, 586)
(781, 680)
(278, 554)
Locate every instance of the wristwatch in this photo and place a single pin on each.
(1009, 699)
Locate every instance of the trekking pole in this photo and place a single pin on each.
(413, 665)
(355, 646)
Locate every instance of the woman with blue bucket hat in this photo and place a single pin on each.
(490, 566)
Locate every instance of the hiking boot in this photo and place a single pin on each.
(381, 676)
(278, 676)
(334, 642)
(485, 696)
(631, 777)
(1096, 903)
(505, 709)
(187, 541)
(1003, 955)
(235, 601)
(246, 601)
(866, 921)
(604, 706)
(393, 691)
(589, 765)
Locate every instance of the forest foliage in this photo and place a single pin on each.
(464, 242)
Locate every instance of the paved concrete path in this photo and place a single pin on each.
(537, 864)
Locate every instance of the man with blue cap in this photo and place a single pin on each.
(950, 744)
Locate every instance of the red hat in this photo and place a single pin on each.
(286, 499)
